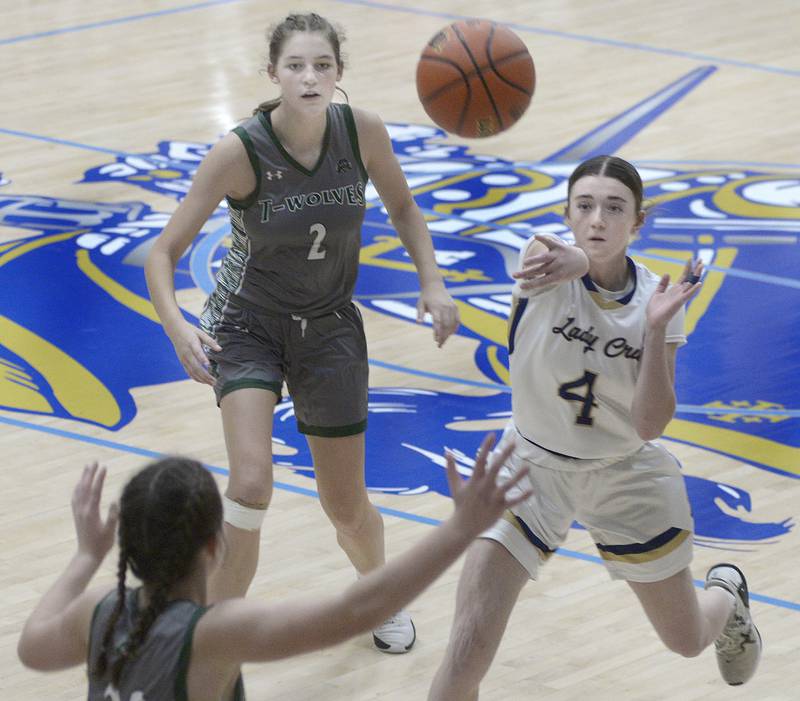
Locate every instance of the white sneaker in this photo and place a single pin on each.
(396, 634)
(739, 644)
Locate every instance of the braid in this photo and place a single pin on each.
(156, 604)
(168, 512)
(102, 661)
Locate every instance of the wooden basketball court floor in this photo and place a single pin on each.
(104, 109)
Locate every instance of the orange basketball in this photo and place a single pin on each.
(475, 78)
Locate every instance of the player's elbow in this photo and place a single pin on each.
(160, 252)
(648, 433)
(651, 426)
(403, 210)
(46, 647)
(650, 418)
(28, 653)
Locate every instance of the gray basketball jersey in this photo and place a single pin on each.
(296, 238)
(158, 671)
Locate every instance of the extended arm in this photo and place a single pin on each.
(548, 261)
(248, 630)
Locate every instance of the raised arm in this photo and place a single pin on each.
(56, 634)
(389, 181)
(224, 171)
(654, 397)
(248, 630)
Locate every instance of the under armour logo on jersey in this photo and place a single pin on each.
(274, 174)
(343, 165)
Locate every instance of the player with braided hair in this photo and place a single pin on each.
(162, 641)
(169, 511)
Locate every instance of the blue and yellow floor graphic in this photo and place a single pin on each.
(79, 333)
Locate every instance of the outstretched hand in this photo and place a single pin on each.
(95, 535)
(435, 300)
(558, 262)
(188, 341)
(667, 299)
(480, 500)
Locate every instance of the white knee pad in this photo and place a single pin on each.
(245, 517)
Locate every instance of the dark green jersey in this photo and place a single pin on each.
(296, 238)
(158, 670)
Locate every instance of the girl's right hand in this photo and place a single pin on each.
(550, 262)
(481, 500)
(188, 341)
(95, 535)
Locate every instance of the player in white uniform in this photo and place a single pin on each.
(592, 343)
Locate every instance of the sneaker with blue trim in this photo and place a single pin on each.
(739, 644)
(395, 635)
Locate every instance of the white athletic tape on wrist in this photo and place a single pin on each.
(240, 516)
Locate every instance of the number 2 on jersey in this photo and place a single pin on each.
(318, 232)
(586, 400)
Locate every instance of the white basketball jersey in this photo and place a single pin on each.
(575, 356)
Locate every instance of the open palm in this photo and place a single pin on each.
(667, 299)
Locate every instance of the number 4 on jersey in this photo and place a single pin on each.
(586, 400)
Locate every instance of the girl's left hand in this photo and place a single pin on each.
(95, 536)
(436, 301)
(482, 499)
(666, 300)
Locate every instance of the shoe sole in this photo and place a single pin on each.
(760, 652)
(745, 594)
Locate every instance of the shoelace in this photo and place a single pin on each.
(389, 622)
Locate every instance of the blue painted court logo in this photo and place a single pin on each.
(409, 430)
(78, 332)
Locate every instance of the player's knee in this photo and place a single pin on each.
(247, 497)
(251, 483)
(350, 517)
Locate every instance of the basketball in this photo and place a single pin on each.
(475, 78)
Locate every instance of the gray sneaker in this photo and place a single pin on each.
(739, 644)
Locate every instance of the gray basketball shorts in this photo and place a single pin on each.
(322, 360)
(636, 511)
